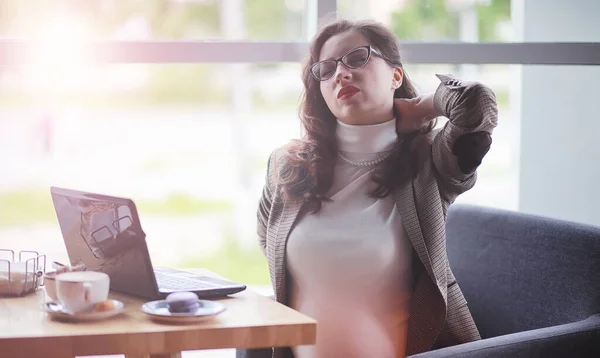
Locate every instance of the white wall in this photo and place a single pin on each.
(560, 115)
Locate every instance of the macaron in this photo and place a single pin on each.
(182, 302)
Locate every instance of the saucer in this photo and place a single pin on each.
(55, 310)
(159, 311)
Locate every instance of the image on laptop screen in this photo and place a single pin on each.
(105, 234)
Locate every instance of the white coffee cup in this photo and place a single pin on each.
(78, 291)
(50, 284)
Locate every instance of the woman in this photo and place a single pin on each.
(352, 215)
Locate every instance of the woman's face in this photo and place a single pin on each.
(359, 96)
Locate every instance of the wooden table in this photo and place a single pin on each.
(250, 321)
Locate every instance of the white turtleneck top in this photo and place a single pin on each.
(350, 264)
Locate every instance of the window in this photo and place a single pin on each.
(438, 20)
(155, 19)
(175, 137)
(175, 102)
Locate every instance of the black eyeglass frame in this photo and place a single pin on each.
(341, 59)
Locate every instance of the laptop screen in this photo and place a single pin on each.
(104, 233)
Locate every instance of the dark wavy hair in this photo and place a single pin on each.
(305, 168)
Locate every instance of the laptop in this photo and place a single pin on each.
(105, 234)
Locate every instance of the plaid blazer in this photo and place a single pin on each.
(439, 313)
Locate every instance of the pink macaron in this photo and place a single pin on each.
(182, 302)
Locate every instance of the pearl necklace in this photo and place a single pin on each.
(367, 163)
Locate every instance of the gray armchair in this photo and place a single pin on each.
(532, 284)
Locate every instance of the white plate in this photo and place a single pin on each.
(159, 311)
(56, 311)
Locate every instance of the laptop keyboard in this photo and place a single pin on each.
(173, 282)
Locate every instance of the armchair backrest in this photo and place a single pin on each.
(520, 272)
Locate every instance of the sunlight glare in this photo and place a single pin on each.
(60, 51)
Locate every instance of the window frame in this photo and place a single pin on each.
(15, 52)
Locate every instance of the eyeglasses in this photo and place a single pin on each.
(356, 58)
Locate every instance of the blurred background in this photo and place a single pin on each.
(189, 142)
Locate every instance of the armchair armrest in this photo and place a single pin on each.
(254, 353)
(577, 339)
